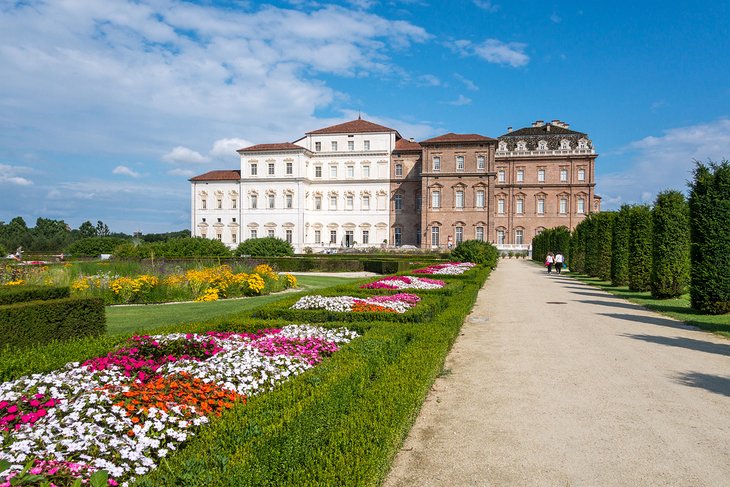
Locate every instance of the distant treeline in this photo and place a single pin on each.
(56, 235)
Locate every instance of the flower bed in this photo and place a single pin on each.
(125, 411)
(404, 282)
(448, 268)
(396, 303)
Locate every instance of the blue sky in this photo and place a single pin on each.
(107, 108)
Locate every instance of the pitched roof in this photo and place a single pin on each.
(221, 175)
(353, 127)
(272, 147)
(407, 145)
(452, 137)
(542, 130)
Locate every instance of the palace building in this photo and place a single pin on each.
(360, 184)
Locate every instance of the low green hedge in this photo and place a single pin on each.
(21, 294)
(35, 322)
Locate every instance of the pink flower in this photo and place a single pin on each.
(13, 409)
(35, 470)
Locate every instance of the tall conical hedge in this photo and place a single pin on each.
(620, 247)
(640, 248)
(577, 258)
(551, 240)
(709, 205)
(591, 257)
(670, 252)
(602, 243)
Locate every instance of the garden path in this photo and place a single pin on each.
(592, 391)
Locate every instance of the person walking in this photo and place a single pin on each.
(559, 262)
(549, 261)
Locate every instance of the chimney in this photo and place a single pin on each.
(509, 129)
(411, 139)
(547, 127)
(538, 123)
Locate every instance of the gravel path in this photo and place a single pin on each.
(595, 391)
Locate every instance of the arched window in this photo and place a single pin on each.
(542, 145)
(521, 145)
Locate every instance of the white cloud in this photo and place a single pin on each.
(470, 85)
(664, 162)
(495, 51)
(428, 80)
(125, 171)
(9, 175)
(183, 155)
(226, 148)
(461, 100)
(181, 172)
(555, 18)
(486, 5)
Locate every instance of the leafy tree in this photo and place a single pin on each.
(476, 251)
(640, 248)
(50, 235)
(102, 230)
(87, 230)
(15, 234)
(3, 251)
(163, 237)
(265, 247)
(670, 251)
(709, 206)
(620, 247)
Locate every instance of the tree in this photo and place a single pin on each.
(102, 230)
(265, 247)
(476, 251)
(670, 250)
(15, 234)
(640, 248)
(577, 258)
(620, 247)
(50, 235)
(709, 207)
(87, 230)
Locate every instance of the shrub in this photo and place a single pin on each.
(598, 245)
(670, 250)
(94, 246)
(3, 251)
(36, 322)
(265, 247)
(709, 206)
(577, 258)
(620, 247)
(476, 251)
(21, 294)
(551, 240)
(382, 266)
(174, 247)
(640, 248)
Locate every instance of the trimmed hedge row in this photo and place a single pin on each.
(670, 251)
(551, 240)
(21, 294)
(620, 247)
(36, 322)
(640, 243)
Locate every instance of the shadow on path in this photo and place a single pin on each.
(597, 295)
(690, 343)
(614, 304)
(650, 320)
(713, 383)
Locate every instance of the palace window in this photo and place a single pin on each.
(541, 206)
(333, 236)
(581, 206)
(459, 235)
(480, 198)
(542, 145)
(563, 174)
(520, 175)
(333, 172)
(581, 174)
(253, 232)
(272, 201)
(522, 145)
(459, 200)
(397, 236)
(366, 172)
(350, 171)
(317, 202)
(366, 236)
(349, 199)
(564, 144)
(350, 145)
(480, 162)
(318, 146)
(500, 176)
(271, 233)
(436, 199)
(519, 236)
(436, 163)
(204, 204)
(333, 202)
(254, 169)
(290, 168)
(289, 201)
(500, 237)
(317, 171)
(234, 203)
(334, 146)
(500, 206)
(582, 144)
(271, 169)
(289, 236)
(520, 206)
(435, 236)
(219, 236)
(318, 236)
(254, 201)
(366, 145)
(563, 206)
(234, 237)
(366, 202)
(398, 202)
(480, 234)
(541, 175)
(399, 170)
(219, 204)
(459, 163)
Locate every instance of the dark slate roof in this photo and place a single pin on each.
(353, 127)
(541, 131)
(272, 147)
(404, 145)
(221, 175)
(453, 138)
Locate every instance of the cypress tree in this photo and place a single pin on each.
(591, 245)
(640, 248)
(670, 250)
(603, 242)
(620, 247)
(578, 248)
(709, 206)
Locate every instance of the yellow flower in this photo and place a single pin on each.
(19, 282)
(291, 281)
(80, 285)
(211, 294)
(255, 283)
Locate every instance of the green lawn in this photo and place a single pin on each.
(676, 308)
(127, 319)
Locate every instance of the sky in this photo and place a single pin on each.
(108, 107)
